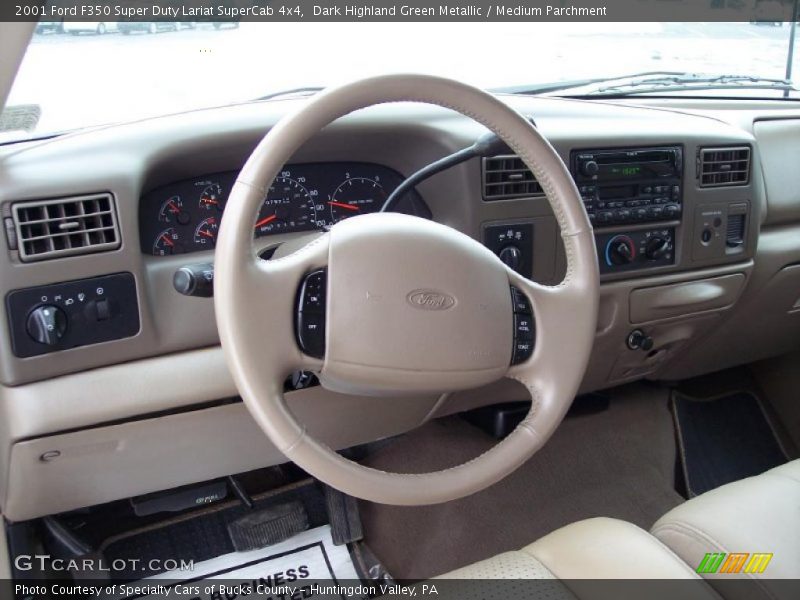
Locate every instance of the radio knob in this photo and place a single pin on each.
(511, 257)
(589, 168)
(47, 324)
(620, 251)
(656, 248)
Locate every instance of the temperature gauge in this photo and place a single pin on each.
(172, 211)
(206, 232)
(211, 197)
(166, 243)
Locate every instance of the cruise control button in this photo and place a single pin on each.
(311, 333)
(523, 349)
(523, 327)
(314, 293)
(520, 301)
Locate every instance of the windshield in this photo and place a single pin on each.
(77, 75)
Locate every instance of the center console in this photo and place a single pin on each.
(626, 191)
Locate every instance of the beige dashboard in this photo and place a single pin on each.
(86, 425)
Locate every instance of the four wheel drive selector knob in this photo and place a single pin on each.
(47, 324)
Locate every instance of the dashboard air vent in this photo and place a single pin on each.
(68, 226)
(507, 177)
(724, 166)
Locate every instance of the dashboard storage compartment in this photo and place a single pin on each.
(680, 299)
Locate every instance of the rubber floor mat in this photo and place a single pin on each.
(723, 440)
(202, 535)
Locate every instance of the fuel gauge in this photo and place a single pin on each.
(166, 243)
(206, 232)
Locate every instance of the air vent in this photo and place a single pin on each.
(65, 227)
(508, 177)
(734, 236)
(724, 166)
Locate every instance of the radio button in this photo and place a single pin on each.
(640, 214)
(672, 211)
(623, 215)
(605, 216)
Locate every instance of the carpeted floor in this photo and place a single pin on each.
(616, 463)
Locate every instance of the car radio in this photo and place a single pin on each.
(638, 185)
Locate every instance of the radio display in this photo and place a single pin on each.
(627, 171)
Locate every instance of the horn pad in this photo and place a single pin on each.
(413, 306)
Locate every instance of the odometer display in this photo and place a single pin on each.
(289, 205)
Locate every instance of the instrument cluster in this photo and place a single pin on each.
(184, 216)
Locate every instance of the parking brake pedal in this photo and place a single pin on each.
(267, 526)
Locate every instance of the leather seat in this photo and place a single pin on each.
(589, 550)
(755, 515)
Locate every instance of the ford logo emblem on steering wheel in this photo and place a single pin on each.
(430, 300)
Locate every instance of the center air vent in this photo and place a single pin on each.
(508, 177)
(53, 228)
(724, 166)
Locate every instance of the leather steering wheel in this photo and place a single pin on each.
(412, 306)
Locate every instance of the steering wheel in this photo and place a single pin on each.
(407, 305)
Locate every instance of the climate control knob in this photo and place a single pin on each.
(47, 324)
(511, 257)
(620, 250)
(656, 247)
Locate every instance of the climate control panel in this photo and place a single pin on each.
(629, 251)
(66, 315)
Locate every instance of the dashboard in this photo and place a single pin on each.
(184, 216)
(695, 212)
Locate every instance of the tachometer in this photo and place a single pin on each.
(211, 197)
(205, 234)
(356, 196)
(172, 211)
(289, 206)
(167, 242)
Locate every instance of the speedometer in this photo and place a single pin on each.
(289, 206)
(356, 196)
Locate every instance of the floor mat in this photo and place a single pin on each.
(616, 463)
(201, 535)
(723, 440)
(292, 565)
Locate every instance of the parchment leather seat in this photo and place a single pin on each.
(582, 553)
(755, 516)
